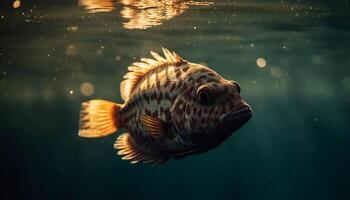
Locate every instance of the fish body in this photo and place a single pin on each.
(173, 108)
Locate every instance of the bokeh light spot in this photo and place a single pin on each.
(87, 89)
(276, 72)
(72, 28)
(16, 4)
(261, 62)
(71, 50)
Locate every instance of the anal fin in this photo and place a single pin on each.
(128, 151)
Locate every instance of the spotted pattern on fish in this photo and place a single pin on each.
(175, 108)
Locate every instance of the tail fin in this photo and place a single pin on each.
(98, 118)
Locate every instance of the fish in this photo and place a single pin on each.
(172, 108)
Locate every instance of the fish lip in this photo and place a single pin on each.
(243, 114)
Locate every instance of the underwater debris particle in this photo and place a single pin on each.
(72, 28)
(16, 4)
(71, 92)
(261, 62)
(87, 89)
(276, 72)
(71, 50)
(99, 52)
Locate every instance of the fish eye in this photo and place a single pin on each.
(204, 94)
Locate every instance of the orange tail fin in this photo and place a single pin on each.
(98, 118)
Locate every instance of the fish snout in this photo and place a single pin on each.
(240, 115)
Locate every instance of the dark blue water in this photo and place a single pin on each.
(290, 57)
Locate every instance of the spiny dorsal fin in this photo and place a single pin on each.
(139, 69)
(154, 126)
(126, 149)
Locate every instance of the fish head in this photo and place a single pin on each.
(215, 111)
(238, 111)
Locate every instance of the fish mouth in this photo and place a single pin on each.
(239, 116)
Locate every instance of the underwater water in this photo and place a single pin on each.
(291, 59)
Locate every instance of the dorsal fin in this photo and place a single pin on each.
(139, 69)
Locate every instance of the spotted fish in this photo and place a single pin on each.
(173, 108)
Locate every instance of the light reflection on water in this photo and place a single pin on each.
(290, 57)
(95, 6)
(142, 14)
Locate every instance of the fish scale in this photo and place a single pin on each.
(173, 108)
(151, 86)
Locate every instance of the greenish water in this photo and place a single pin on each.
(296, 146)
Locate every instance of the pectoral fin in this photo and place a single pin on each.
(154, 126)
